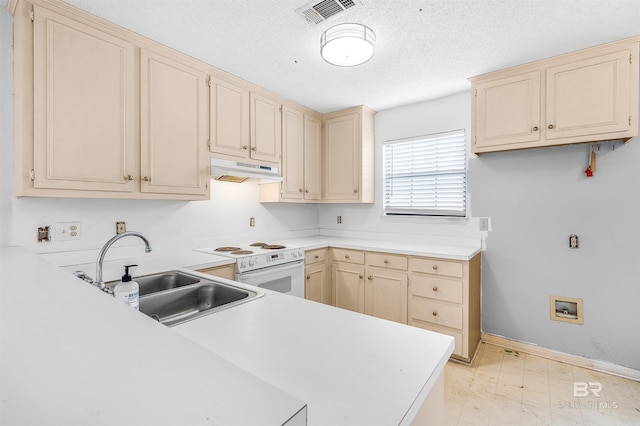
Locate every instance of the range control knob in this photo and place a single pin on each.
(251, 261)
(300, 254)
(294, 254)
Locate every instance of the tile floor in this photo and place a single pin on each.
(504, 387)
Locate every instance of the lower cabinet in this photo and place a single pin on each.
(444, 296)
(316, 284)
(224, 271)
(440, 295)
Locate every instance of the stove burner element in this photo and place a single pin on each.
(257, 244)
(242, 252)
(227, 249)
(273, 247)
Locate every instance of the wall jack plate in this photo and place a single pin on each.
(121, 227)
(68, 231)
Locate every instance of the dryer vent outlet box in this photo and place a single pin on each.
(320, 11)
(567, 309)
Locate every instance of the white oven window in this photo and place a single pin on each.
(288, 278)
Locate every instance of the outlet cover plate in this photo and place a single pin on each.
(68, 231)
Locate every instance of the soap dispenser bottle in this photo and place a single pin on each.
(127, 290)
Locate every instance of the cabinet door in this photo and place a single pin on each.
(84, 131)
(225, 271)
(315, 283)
(589, 96)
(174, 126)
(292, 154)
(386, 295)
(507, 111)
(229, 105)
(312, 158)
(348, 286)
(343, 166)
(266, 129)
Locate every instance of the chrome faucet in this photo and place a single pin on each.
(108, 244)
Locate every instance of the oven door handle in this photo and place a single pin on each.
(269, 270)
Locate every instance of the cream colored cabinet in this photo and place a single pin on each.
(317, 280)
(224, 271)
(84, 106)
(444, 296)
(229, 108)
(266, 128)
(349, 167)
(301, 160)
(174, 126)
(585, 96)
(347, 276)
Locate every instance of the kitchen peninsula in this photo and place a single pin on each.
(72, 355)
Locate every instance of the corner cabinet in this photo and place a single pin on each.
(585, 96)
(349, 157)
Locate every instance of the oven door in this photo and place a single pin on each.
(287, 278)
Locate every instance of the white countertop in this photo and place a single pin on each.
(406, 248)
(72, 355)
(257, 363)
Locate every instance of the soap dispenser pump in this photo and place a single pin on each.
(127, 290)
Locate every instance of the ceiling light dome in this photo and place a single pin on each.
(347, 45)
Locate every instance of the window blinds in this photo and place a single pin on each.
(426, 175)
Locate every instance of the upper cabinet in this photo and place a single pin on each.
(585, 96)
(349, 167)
(83, 107)
(174, 125)
(244, 124)
(112, 115)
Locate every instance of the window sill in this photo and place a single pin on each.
(435, 220)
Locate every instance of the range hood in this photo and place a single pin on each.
(239, 171)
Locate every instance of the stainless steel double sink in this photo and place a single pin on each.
(175, 297)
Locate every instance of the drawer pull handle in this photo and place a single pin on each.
(435, 289)
(551, 126)
(435, 314)
(386, 261)
(346, 256)
(308, 277)
(316, 257)
(435, 267)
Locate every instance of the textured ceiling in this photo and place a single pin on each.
(424, 49)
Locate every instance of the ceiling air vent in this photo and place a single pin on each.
(317, 12)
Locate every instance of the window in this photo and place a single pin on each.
(426, 176)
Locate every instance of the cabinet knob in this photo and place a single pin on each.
(300, 190)
(435, 267)
(369, 277)
(308, 277)
(254, 149)
(435, 289)
(535, 128)
(551, 126)
(316, 257)
(245, 147)
(346, 256)
(355, 191)
(386, 261)
(146, 179)
(306, 191)
(435, 314)
(128, 177)
(360, 276)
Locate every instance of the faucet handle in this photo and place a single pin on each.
(83, 276)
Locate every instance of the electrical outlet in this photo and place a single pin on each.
(68, 231)
(573, 241)
(483, 223)
(121, 227)
(339, 219)
(252, 221)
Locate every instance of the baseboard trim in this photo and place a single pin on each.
(578, 361)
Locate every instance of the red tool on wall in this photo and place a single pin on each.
(591, 168)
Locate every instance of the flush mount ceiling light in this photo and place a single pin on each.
(347, 45)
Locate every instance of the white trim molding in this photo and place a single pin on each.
(578, 361)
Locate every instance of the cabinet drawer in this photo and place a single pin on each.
(435, 312)
(387, 261)
(458, 348)
(436, 266)
(315, 256)
(345, 255)
(438, 288)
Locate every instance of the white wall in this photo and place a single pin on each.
(450, 113)
(182, 224)
(536, 199)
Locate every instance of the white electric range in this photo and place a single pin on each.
(271, 266)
